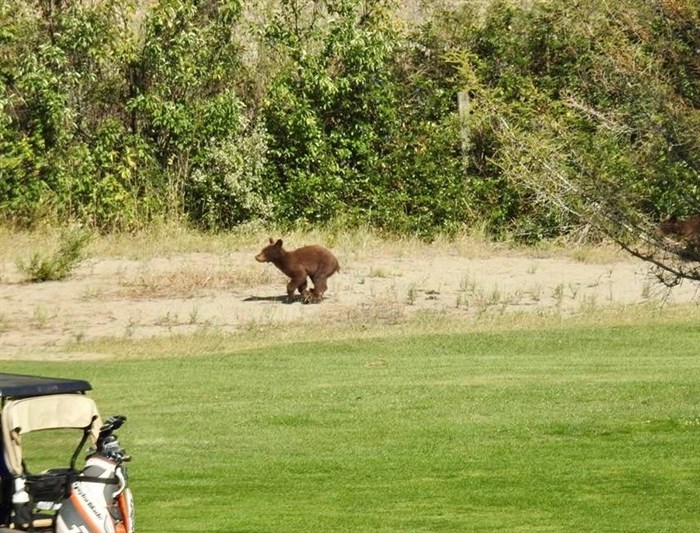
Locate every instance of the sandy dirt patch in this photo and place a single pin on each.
(119, 298)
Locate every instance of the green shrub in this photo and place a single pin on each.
(59, 264)
(115, 114)
(227, 188)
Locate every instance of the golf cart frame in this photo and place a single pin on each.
(48, 501)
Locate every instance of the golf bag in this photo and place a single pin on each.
(100, 500)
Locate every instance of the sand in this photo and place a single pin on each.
(184, 293)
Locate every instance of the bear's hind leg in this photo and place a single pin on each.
(320, 286)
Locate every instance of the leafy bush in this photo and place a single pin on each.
(330, 108)
(59, 264)
(322, 110)
(227, 188)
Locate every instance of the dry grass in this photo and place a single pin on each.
(385, 319)
(20, 245)
(592, 254)
(168, 239)
(189, 282)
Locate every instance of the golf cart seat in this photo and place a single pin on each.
(33, 498)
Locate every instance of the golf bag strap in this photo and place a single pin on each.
(103, 480)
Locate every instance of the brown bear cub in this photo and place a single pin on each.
(314, 262)
(688, 229)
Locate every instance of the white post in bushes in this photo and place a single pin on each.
(463, 104)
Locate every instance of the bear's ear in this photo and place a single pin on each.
(271, 241)
(279, 243)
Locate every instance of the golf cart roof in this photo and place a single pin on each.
(20, 386)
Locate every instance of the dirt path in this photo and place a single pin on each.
(187, 293)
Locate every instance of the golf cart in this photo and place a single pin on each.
(91, 497)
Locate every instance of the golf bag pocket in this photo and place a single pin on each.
(50, 487)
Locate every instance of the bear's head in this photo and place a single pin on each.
(669, 226)
(271, 252)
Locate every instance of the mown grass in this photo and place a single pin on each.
(560, 429)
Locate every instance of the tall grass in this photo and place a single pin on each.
(566, 429)
(358, 242)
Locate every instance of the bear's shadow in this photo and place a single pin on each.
(282, 299)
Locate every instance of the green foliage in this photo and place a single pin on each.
(424, 186)
(307, 111)
(180, 98)
(330, 107)
(228, 188)
(187, 106)
(70, 154)
(349, 130)
(59, 264)
(111, 127)
(579, 94)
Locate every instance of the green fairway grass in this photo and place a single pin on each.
(562, 429)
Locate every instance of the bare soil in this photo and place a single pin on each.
(184, 293)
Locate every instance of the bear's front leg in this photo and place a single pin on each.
(297, 282)
(302, 288)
